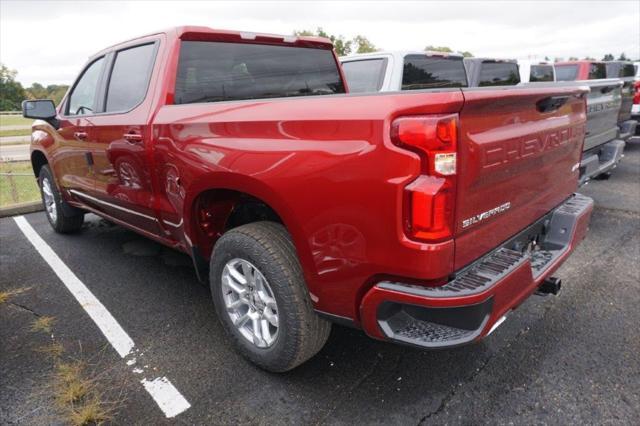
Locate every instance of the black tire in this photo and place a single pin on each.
(603, 176)
(301, 332)
(67, 219)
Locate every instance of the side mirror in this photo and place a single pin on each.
(40, 109)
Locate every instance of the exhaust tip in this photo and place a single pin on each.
(551, 285)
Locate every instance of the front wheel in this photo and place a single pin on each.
(63, 218)
(261, 298)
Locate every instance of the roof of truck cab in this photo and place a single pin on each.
(193, 32)
(580, 62)
(397, 54)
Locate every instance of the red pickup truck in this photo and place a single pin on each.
(421, 217)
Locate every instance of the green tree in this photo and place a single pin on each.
(623, 57)
(608, 57)
(11, 92)
(340, 44)
(446, 49)
(589, 58)
(439, 49)
(573, 58)
(56, 92)
(36, 91)
(363, 45)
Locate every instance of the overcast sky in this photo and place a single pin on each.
(49, 41)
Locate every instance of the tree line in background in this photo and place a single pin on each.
(12, 93)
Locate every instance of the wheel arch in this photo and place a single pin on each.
(233, 200)
(38, 159)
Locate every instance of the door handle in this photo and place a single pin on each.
(80, 135)
(132, 137)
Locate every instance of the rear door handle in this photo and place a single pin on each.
(80, 135)
(132, 137)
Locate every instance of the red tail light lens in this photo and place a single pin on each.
(636, 95)
(429, 200)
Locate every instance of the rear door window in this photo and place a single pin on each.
(365, 75)
(432, 72)
(130, 77)
(541, 73)
(566, 72)
(498, 74)
(597, 71)
(219, 71)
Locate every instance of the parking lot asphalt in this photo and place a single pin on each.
(574, 358)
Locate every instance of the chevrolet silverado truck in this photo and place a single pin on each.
(626, 72)
(603, 148)
(423, 218)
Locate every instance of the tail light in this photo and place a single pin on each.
(429, 200)
(636, 94)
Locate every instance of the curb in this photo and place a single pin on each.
(22, 208)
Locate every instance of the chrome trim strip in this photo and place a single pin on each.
(124, 209)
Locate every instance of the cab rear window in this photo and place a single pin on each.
(597, 71)
(541, 73)
(219, 71)
(629, 70)
(566, 72)
(365, 75)
(432, 72)
(498, 74)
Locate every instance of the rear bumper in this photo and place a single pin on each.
(628, 129)
(600, 160)
(473, 303)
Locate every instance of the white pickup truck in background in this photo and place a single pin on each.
(403, 70)
(536, 71)
(419, 70)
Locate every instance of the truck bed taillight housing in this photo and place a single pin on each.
(636, 93)
(429, 200)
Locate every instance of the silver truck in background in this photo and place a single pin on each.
(485, 72)
(603, 149)
(626, 72)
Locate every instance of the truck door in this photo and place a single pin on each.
(72, 159)
(121, 137)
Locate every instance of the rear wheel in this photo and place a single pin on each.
(261, 298)
(62, 217)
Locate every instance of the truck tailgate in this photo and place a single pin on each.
(518, 157)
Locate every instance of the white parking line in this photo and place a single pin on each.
(168, 398)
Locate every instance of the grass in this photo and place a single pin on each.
(8, 294)
(77, 395)
(42, 324)
(19, 132)
(53, 350)
(14, 120)
(17, 189)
